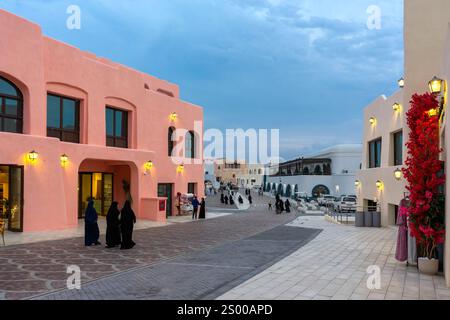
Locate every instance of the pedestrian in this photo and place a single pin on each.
(287, 204)
(113, 238)
(222, 198)
(91, 230)
(226, 200)
(195, 205)
(231, 201)
(241, 201)
(250, 199)
(178, 203)
(281, 206)
(202, 214)
(127, 221)
(270, 206)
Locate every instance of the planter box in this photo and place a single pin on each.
(359, 219)
(368, 219)
(428, 267)
(376, 219)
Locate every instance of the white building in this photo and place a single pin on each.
(330, 171)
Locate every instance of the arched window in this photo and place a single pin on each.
(306, 171)
(190, 145)
(318, 171)
(170, 140)
(319, 190)
(11, 107)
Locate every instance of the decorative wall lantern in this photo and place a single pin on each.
(436, 85)
(33, 156)
(173, 116)
(357, 183)
(372, 121)
(148, 165)
(64, 159)
(401, 82)
(398, 174)
(396, 106)
(180, 168)
(379, 185)
(433, 112)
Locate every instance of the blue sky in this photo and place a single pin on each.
(307, 67)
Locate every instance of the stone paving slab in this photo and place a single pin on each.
(200, 275)
(334, 265)
(42, 264)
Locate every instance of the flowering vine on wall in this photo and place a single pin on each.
(424, 175)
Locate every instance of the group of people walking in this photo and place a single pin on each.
(119, 226)
(280, 205)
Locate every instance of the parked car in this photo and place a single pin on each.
(326, 199)
(345, 204)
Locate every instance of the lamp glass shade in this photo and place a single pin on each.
(149, 165)
(372, 120)
(64, 159)
(33, 155)
(357, 183)
(435, 85)
(401, 82)
(379, 184)
(396, 106)
(173, 116)
(398, 174)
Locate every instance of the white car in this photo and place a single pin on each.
(345, 204)
(325, 199)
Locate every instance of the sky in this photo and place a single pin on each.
(306, 67)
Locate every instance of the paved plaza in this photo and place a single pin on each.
(334, 266)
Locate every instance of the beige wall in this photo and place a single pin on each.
(388, 122)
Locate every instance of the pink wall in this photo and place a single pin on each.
(38, 65)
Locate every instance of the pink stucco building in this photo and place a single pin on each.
(94, 126)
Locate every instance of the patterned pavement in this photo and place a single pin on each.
(32, 269)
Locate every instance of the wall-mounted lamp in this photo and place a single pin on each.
(180, 168)
(398, 174)
(436, 85)
(396, 106)
(173, 116)
(379, 185)
(33, 156)
(148, 165)
(64, 159)
(401, 82)
(357, 183)
(372, 121)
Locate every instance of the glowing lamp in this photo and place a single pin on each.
(357, 183)
(148, 165)
(33, 156)
(379, 185)
(401, 82)
(64, 159)
(398, 174)
(433, 112)
(180, 168)
(436, 85)
(372, 121)
(396, 106)
(173, 116)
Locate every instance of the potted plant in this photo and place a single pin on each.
(425, 178)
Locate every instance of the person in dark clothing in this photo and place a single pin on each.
(195, 205)
(202, 214)
(113, 238)
(91, 230)
(241, 201)
(222, 198)
(281, 206)
(127, 221)
(270, 206)
(231, 200)
(287, 204)
(226, 199)
(250, 199)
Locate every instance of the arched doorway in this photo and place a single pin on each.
(319, 190)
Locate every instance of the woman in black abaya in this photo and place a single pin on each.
(91, 230)
(127, 221)
(113, 238)
(202, 214)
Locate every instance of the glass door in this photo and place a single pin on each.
(165, 190)
(85, 193)
(11, 196)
